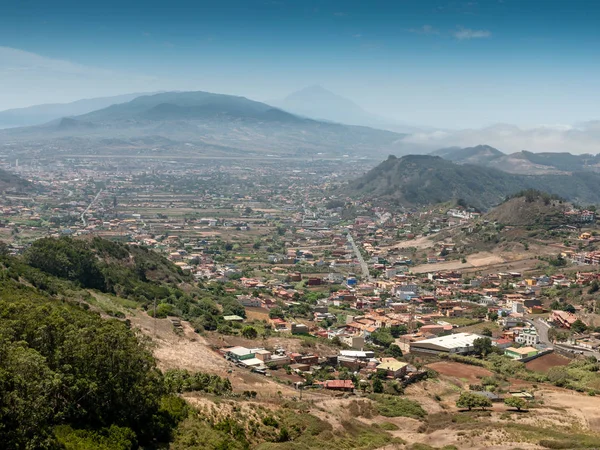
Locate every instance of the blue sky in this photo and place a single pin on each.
(451, 64)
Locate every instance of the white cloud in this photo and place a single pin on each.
(15, 60)
(467, 33)
(581, 138)
(425, 29)
(28, 78)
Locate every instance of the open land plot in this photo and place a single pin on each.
(458, 370)
(544, 363)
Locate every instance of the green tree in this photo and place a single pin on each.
(395, 351)
(515, 402)
(486, 332)
(578, 326)
(249, 332)
(469, 400)
(377, 385)
(398, 330)
(482, 346)
(382, 337)
(276, 312)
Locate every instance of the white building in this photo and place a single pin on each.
(528, 337)
(459, 343)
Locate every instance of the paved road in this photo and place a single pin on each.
(363, 265)
(542, 328)
(88, 208)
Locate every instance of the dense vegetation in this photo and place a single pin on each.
(70, 379)
(62, 366)
(423, 180)
(131, 272)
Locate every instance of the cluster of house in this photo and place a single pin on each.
(362, 363)
(581, 216)
(590, 258)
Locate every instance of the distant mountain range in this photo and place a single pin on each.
(311, 122)
(39, 114)
(523, 162)
(206, 123)
(318, 103)
(425, 179)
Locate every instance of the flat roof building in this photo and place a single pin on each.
(459, 343)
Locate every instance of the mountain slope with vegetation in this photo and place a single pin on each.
(425, 179)
(67, 375)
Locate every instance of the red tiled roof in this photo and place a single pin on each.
(338, 384)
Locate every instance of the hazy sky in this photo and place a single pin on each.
(440, 63)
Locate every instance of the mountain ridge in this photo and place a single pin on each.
(523, 162)
(211, 121)
(40, 114)
(419, 180)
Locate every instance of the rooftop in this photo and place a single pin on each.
(452, 340)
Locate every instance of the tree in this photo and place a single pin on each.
(594, 287)
(395, 351)
(482, 346)
(515, 402)
(486, 332)
(569, 308)
(578, 326)
(3, 249)
(398, 330)
(249, 332)
(469, 400)
(382, 337)
(377, 385)
(276, 313)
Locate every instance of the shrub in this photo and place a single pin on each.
(389, 406)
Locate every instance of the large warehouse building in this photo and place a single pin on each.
(459, 343)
